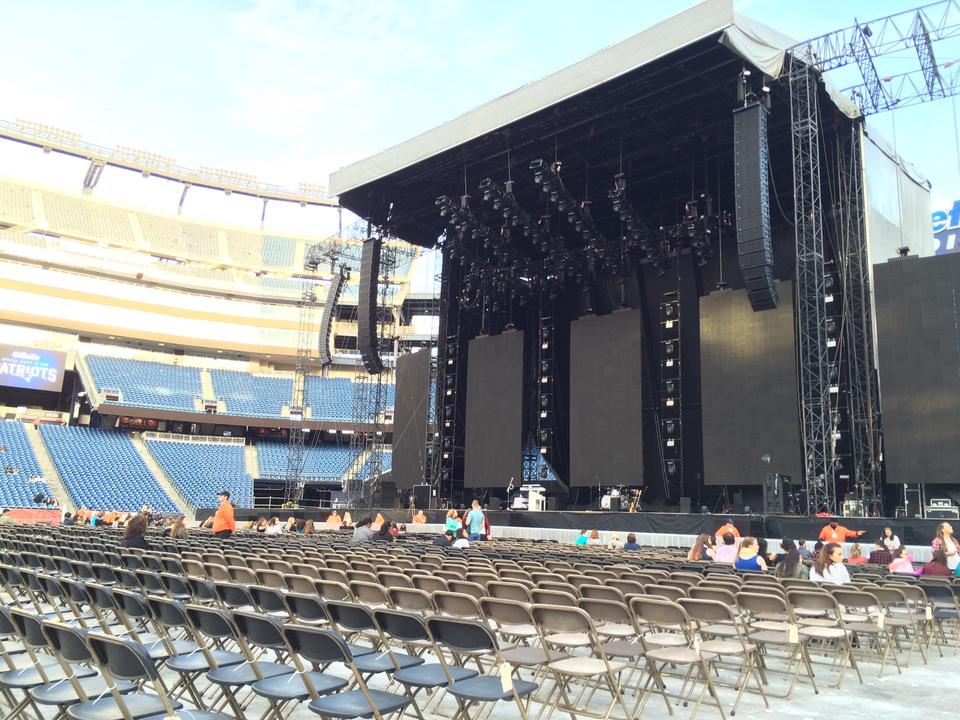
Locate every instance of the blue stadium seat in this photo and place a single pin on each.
(102, 470)
(147, 384)
(20, 475)
(252, 395)
(277, 252)
(386, 463)
(200, 471)
(323, 463)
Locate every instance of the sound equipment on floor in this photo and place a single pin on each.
(493, 505)
(326, 319)
(367, 335)
(684, 505)
(738, 504)
(752, 168)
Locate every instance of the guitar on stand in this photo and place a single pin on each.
(635, 496)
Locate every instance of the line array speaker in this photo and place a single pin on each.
(367, 338)
(752, 167)
(326, 320)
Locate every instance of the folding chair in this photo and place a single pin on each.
(874, 634)
(569, 629)
(834, 635)
(711, 615)
(323, 647)
(462, 638)
(121, 659)
(354, 620)
(281, 690)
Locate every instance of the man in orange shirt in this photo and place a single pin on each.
(224, 524)
(836, 533)
(729, 527)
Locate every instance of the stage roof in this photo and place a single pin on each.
(758, 44)
(702, 48)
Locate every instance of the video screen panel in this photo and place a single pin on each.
(410, 418)
(493, 452)
(748, 379)
(918, 359)
(606, 400)
(31, 368)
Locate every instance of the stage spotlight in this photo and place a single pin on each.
(669, 348)
(672, 467)
(670, 387)
(670, 428)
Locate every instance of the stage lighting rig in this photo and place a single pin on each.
(503, 201)
(635, 231)
(547, 177)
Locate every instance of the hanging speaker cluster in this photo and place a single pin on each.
(752, 168)
(367, 337)
(326, 320)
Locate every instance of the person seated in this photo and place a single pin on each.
(791, 564)
(727, 551)
(903, 563)
(829, 568)
(803, 550)
(363, 533)
(378, 521)
(262, 525)
(614, 542)
(856, 556)
(334, 520)
(134, 534)
(291, 524)
(68, 519)
(208, 523)
(299, 526)
(880, 555)
(445, 540)
(394, 529)
(274, 527)
(594, 538)
(384, 534)
(348, 521)
(702, 549)
(937, 565)
(462, 542)
(419, 518)
(631, 543)
(748, 557)
(583, 539)
(308, 528)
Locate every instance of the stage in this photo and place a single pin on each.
(912, 531)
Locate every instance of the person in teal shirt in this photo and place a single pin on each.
(584, 537)
(475, 522)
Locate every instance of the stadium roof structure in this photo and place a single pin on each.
(52, 139)
(644, 102)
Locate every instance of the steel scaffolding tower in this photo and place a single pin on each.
(858, 324)
(370, 398)
(819, 467)
(296, 453)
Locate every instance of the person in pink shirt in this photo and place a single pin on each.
(727, 549)
(902, 564)
(857, 556)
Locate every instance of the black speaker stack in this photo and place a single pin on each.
(326, 320)
(421, 496)
(367, 338)
(752, 172)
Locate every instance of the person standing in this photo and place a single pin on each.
(837, 533)
(224, 524)
(946, 541)
(452, 523)
(475, 522)
(727, 527)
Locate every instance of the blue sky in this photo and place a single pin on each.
(291, 89)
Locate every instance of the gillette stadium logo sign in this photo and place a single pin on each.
(31, 369)
(946, 229)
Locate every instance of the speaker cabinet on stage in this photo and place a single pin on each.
(754, 246)
(494, 504)
(738, 503)
(367, 337)
(421, 496)
(685, 505)
(552, 504)
(615, 504)
(775, 490)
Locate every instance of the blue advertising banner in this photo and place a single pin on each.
(31, 368)
(946, 229)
